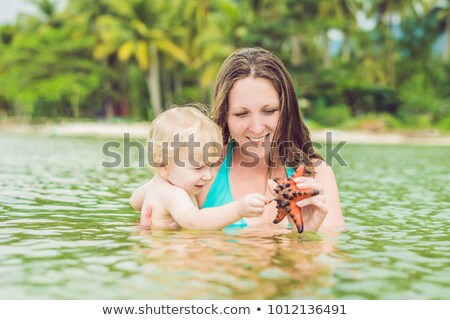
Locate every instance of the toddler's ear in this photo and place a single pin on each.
(163, 172)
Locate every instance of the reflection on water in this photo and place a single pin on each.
(67, 232)
(247, 264)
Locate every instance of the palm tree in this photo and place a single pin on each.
(85, 13)
(193, 22)
(444, 19)
(342, 14)
(216, 32)
(388, 16)
(133, 30)
(208, 31)
(48, 12)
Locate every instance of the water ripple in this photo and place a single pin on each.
(67, 232)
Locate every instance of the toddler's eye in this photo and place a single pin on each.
(215, 164)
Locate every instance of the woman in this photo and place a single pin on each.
(256, 106)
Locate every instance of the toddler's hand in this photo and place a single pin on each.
(251, 205)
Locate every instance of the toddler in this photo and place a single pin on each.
(184, 147)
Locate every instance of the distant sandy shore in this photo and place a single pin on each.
(140, 130)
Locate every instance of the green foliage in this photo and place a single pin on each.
(418, 98)
(371, 99)
(148, 53)
(6, 34)
(51, 67)
(444, 124)
(327, 88)
(188, 94)
(137, 93)
(376, 122)
(331, 116)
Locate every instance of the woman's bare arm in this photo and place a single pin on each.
(334, 220)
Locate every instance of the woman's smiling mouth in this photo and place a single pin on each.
(258, 140)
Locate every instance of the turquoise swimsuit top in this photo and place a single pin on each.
(220, 192)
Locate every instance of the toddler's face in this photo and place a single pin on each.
(191, 174)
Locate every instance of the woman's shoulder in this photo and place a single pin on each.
(322, 169)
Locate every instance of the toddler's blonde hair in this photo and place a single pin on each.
(182, 121)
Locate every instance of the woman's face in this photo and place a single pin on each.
(254, 113)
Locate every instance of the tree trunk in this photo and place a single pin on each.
(446, 51)
(153, 80)
(108, 101)
(327, 54)
(109, 108)
(390, 63)
(296, 56)
(390, 49)
(178, 83)
(167, 86)
(345, 53)
(124, 106)
(75, 104)
(392, 72)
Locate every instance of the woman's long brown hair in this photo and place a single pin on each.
(291, 137)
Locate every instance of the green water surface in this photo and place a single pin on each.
(68, 232)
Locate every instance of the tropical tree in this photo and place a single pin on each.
(49, 69)
(219, 32)
(47, 65)
(114, 98)
(7, 33)
(444, 23)
(48, 11)
(388, 15)
(132, 30)
(340, 15)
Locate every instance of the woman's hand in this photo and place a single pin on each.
(146, 216)
(314, 209)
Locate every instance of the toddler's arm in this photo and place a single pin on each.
(138, 196)
(188, 216)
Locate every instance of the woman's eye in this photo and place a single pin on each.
(270, 111)
(240, 115)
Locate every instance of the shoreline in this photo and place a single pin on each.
(140, 130)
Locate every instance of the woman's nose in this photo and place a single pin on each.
(256, 125)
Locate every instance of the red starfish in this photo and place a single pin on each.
(288, 195)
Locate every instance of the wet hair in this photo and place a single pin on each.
(179, 124)
(291, 137)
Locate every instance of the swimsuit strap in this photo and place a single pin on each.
(220, 192)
